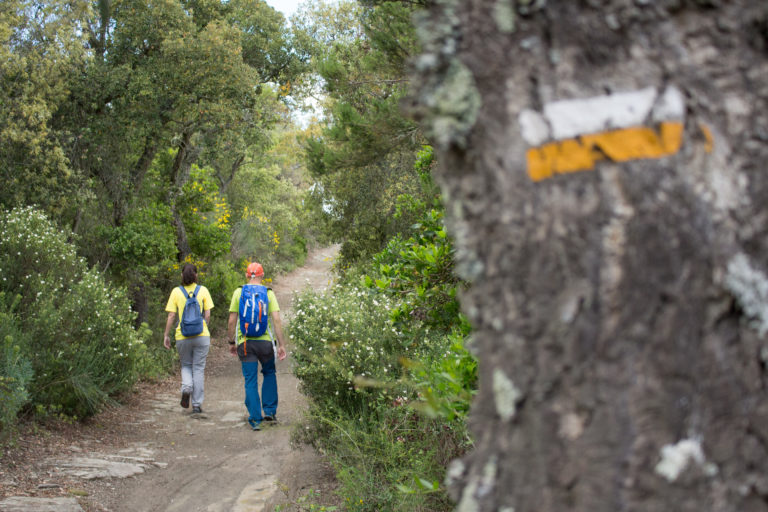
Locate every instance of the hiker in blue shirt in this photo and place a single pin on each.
(256, 335)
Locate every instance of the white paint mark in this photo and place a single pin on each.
(567, 119)
(670, 106)
(571, 118)
(533, 127)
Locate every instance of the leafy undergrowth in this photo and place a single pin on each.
(388, 375)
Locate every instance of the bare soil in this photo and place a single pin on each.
(212, 462)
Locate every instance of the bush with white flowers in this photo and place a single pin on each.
(343, 337)
(78, 333)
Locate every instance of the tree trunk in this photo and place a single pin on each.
(601, 163)
(180, 170)
(139, 302)
(226, 179)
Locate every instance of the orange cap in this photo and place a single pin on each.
(254, 270)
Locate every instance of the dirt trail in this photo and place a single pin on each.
(215, 463)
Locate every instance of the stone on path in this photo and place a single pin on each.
(254, 497)
(26, 504)
(89, 468)
(233, 416)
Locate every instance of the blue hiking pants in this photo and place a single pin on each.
(255, 353)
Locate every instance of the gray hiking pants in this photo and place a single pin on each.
(192, 355)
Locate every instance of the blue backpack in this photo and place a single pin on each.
(192, 316)
(253, 310)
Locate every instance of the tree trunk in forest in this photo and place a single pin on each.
(182, 164)
(226, 179)
(139, 302)
(603, 169)
(144, 163)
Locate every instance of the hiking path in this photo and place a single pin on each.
(162, 458)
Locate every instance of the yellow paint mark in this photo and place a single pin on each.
(709, 140)
(622, 145)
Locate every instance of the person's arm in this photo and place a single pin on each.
(168, 325)
(231, 333)
(277, 323)
(208, 303)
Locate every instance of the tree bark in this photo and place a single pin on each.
(602, 164)
(180, 170)
(226, 179)
(139, 302)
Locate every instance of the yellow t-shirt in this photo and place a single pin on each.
(234, 307)
(176, 303)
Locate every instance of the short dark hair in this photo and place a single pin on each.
(188, 274)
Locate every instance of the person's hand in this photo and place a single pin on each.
(233, 349)
(281, 352)
(167, 342)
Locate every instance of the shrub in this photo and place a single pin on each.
(343, 335)
(419, 271)
(365, 404)
(79, 327)
(15, 369)
(387, 371)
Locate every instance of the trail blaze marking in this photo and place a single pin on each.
(573, 135)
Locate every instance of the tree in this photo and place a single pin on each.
(184, 75)
(601, 168)
(359, 54)
(40, 45)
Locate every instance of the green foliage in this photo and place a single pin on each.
(386, 366)
(145, 242)
(367, 380)
(205, 214)
(81, 344)
(266, 42)
(40, 45)
(267, 221)
(365, 138)
(343, 335)
(446, 384)
(378, 456)
(15, 369)
(307, 503)
(419, 270)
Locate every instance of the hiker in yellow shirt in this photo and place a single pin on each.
(193, 347)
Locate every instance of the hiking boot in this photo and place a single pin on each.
(185, 399)
(270, 417)
(197, 410)
(254, 424)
